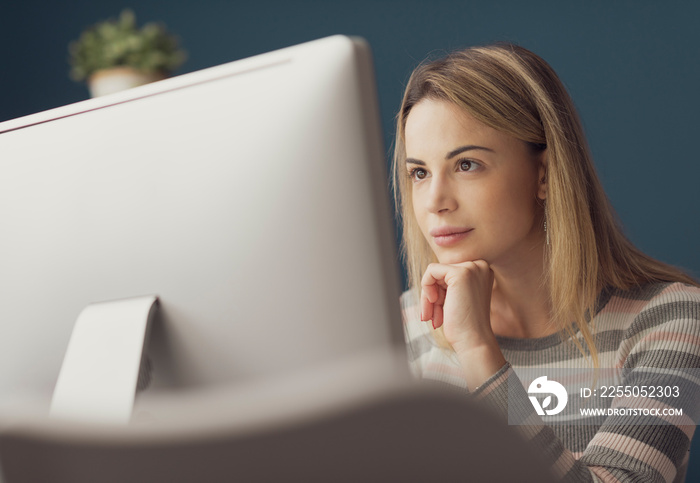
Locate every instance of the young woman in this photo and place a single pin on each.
(515, 260)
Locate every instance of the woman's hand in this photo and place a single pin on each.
(458, 298)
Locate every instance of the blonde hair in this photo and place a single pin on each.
(514, 91)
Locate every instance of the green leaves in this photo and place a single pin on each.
(114, 43)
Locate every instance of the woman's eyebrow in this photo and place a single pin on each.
(470, 147)
(451, 154)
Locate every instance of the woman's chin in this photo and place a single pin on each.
(454, 257)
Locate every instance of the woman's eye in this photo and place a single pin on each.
(417, 174)
(466, 165)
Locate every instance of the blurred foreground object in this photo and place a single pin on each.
(114, 55)
(333, 424)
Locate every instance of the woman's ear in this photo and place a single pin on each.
(542, 177)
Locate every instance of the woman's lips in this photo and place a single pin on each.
(446, 237)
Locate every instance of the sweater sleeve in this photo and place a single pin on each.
(661, 347)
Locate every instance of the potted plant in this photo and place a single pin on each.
(114, 55)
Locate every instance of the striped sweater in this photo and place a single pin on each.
(655, 327)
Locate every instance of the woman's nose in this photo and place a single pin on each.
(441, 196)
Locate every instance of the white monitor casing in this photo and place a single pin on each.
(251, 198)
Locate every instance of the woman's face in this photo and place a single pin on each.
(474, 189)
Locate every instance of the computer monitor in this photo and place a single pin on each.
(251, 198)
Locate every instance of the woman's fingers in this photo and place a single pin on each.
(429, 294)
(442, 292)
(433, 291)
(434, 274)
(472, 282)
(426, 308)
(437, 316)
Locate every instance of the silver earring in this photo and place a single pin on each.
(546, 232)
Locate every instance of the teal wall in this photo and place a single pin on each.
(632, 67)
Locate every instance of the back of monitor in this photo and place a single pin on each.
(250, 198)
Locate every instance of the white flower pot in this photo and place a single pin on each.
(117, 79)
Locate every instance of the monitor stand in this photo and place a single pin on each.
(100, 371)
